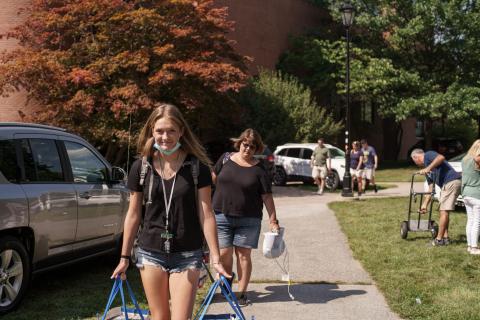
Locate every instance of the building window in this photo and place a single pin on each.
(366, 112)
(419, 129)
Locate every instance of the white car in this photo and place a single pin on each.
(456, 163)
(292, 163)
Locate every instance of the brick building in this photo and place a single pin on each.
(262, 30)
(10, 107)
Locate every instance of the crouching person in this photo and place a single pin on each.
(439, 172)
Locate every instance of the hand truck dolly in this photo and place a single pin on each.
(418, 224)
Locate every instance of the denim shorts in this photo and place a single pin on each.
(241, 232)
(171, 263)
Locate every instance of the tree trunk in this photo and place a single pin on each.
(121, 158)
(428, 134)
(392, 135)
(478, 125)
(111, 152)
(399, 139)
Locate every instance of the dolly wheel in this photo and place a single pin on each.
(434, 230)
(404, 230)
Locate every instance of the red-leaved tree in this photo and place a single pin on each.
(91, 66)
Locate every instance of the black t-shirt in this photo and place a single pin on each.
(239, 189)
(183, 218)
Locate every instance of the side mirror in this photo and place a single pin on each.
(118, 174)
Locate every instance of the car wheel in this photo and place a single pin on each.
(15, 273)
(279, 177)
(332, 181)
(404, 230)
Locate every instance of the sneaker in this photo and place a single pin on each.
(438, 243)
(320, 191)
(469, 249)
(474, 251)
(375, 188)
(446, 241)
(243, 300)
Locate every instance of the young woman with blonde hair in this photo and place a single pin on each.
(169, 254)
(471, 195)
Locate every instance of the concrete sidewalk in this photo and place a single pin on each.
(329, 282)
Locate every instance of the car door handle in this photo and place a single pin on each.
(85, 195)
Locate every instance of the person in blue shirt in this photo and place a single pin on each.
(438, 171)
(370, 164)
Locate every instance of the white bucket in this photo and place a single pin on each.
(273, 244)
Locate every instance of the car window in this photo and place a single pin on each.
(294, 152)
(336, 153)
(457, 158)
(42, 161)
(86, 167)
(28, 162)
(282, 152)
(8, 161)
(307, 154)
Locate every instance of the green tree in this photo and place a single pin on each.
(411, 58)
(321, 65)
(437, 40)
(283, 110)
(91, 65)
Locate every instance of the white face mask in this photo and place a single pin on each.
(167, 152)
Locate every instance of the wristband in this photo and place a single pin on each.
(125, 257)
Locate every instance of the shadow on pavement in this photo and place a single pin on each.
(298, 190)
(303, 293)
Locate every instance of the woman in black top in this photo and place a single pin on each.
(242, 187)
(170, 242)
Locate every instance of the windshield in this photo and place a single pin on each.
(457, 158)
(336, 153)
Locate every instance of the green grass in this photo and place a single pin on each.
(402, 173)
(396, 171)
(77, 292)
(445, 279)
(314, 188)
(398, 174)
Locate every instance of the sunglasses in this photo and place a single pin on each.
(249, 146)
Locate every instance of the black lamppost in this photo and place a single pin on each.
(348, 12)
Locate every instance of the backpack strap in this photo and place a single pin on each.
(144, 170)
(226, 157)
(143, 173)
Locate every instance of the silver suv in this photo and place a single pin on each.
(60, 202)
(292, 163)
